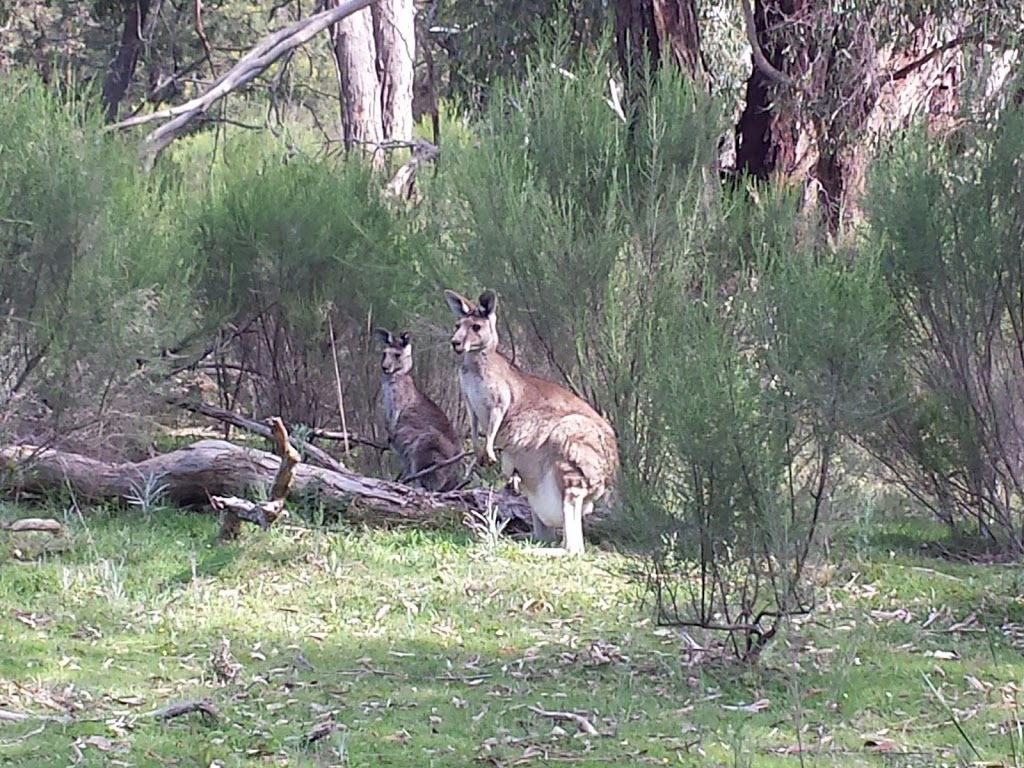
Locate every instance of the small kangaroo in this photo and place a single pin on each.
(418, 430)
(565, 453)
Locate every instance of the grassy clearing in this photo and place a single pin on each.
(430, 650)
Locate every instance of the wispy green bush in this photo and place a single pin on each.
(730, 351)
(573, 221)
(770, 374)
(950, 222)
(94, 272)
(289, 244)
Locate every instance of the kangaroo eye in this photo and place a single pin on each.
(477, 326)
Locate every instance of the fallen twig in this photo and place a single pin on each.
(10, 716)
(262, 513)
(205, 706)
(23, 737)
(568, 717)
(432, 467)
(323, 730)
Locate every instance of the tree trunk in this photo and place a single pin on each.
(646, 31)
(394, 24)
(766, 137)
(355, 57)
(122, 68)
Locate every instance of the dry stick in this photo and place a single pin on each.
(321, 731)
(337, 383)
(206, 706)
(323, 458)
(263, 513)
(330, 434)
(9, 716)
(400, 185)
(432, 467)
(469, 471)
(581, 722)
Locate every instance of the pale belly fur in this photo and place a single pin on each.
(546, 500)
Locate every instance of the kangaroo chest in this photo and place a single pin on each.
(483, 394)
(395, 393)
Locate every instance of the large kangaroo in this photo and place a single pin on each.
(418, 430)
(565, 453)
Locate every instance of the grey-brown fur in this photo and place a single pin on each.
(565, 453)
(418, 430)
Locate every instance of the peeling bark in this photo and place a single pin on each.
(652, 30)
(394, 24)
(355, 57)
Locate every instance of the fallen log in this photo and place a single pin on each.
(190, 476)
(40, 524)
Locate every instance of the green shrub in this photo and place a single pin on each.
(579, 227)
(293, 246)
(949, 220)
(94, 273)
(731, 353)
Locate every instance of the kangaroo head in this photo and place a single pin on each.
(477, 327)
(397, 355)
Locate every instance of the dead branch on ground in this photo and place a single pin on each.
(205, 706)
(568, 717)
(41, 524)
(190, 476)
(235, 511)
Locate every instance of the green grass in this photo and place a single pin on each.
(430, 649)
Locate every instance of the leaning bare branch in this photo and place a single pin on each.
(400, 187)
(334, 435)
(760, 61)
(248, 68)
(321, 456)
(907, 70)
(264, 513)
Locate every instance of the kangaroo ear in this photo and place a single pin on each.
(383, 336)
(488, 303)
(459, 305)
(405, 339)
